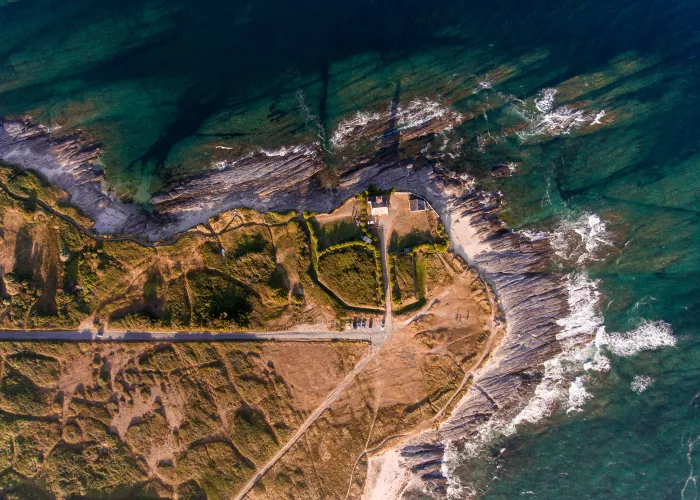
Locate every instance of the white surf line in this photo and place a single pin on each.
(330, 399)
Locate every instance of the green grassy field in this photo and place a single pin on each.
(405, 282)
(335, 232)
(350, 273)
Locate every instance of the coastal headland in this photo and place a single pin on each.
(459, 312)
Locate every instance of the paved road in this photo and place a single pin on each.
(384, 229)
(87, 336)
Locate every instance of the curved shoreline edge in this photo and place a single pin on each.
(532, 299)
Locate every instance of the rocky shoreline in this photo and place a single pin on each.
(532, 300)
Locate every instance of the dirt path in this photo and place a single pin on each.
(364, 452)
(330, 399)
(493, 337)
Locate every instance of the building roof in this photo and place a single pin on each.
(416, 205)
(379, 201)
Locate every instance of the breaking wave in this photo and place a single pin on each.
(562, 384)
(419, 112)
(545, 100)
(576, 239)
(287, 150)
(580, 239)
(353, 126)
(585, 344)
(305, 149)
(547, 119)
(649, 336)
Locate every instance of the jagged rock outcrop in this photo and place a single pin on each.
(68, 163)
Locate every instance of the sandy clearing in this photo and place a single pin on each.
(386, 477)
(464, 236)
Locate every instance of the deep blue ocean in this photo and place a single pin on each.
(161, 84)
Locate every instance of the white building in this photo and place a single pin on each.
(378, 205)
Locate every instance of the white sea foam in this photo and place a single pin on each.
(534, 235)
(353, 126)
(650, 335)
(562, 384)
(416, 113)
(582, 337)
(306, 150)
(583, 341)
(452, 457)
(51, 128)
(311, 117)
(552, 121)
(484, 83)
(584, 318)
(692, 478)
(287, 150)
(596, 120)
(576, 239)
(580, 239)
(419, 112)
(545, 100)
(578, 395)
(641, 383)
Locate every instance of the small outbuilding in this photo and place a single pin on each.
(379, 205)
(417, 205)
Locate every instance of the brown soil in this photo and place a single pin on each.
(347, 210)
(403, 222)
(408, 381)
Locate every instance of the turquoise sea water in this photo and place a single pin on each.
(162, 84)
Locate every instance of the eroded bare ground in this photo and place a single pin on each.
(161, 420)
(406, 384)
